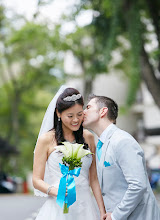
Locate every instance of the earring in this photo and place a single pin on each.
(59, 119)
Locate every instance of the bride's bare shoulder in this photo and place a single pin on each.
(46, 140)
(47, 137)
(89, 139)
(87, 135)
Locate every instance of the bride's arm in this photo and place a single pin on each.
(40, 158)
(93, 174)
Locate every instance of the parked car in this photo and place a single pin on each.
(7, 183)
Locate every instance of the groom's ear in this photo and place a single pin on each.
(103, 111)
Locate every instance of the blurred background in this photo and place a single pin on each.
(106, 47)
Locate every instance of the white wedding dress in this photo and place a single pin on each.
(85, 207)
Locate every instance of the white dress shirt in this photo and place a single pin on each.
(104, 133)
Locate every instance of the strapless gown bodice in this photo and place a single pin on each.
(55, 174)
(85, 206)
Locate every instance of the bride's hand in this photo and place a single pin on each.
(53, 192)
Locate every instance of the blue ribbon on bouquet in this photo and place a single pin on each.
(71, 187)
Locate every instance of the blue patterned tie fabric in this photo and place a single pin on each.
(99, 149)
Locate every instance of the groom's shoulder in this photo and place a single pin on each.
(122, 140)
(120, 135)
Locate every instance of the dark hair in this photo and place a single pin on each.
(103, 101)
(61, 106)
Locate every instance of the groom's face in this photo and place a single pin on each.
(91, 114)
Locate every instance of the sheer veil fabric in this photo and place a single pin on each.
(48, 124)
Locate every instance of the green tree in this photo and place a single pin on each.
(87, 50)
(130, 19)
(28, 82)
(136, 21)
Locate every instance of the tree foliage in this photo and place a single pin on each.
(131, 19)
(28, 83)
(138, 23)
(32, 56)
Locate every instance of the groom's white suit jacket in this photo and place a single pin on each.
(123, 178)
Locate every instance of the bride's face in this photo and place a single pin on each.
(72, 118)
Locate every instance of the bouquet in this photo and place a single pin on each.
(73, 154)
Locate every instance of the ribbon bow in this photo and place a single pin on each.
(71, 187)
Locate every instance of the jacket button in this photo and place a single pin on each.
(103, 194)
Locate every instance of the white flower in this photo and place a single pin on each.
(64, 150)
(82, 152)
(76, 148)
(73, 150)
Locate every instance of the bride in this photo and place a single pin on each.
(63, 122)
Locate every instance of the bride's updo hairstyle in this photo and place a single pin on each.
(63, 104)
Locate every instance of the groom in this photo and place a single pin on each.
(121, 167)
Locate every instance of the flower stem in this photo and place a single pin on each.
(71, 167)
(65, 209)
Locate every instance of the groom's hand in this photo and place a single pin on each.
(107, 216)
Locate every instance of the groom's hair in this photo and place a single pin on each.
(103, 101)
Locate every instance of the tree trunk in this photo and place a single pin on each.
(149, 77)
(87, 87)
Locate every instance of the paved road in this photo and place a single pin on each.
(19, 207)
(23, 207)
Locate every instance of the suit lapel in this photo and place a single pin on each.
(101, 162)
(104, 150)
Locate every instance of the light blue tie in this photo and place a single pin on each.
(99, 149)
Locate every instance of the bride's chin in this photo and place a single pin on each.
(76, 129)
